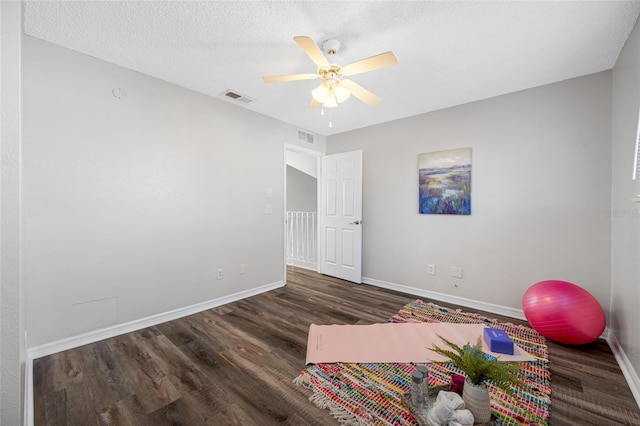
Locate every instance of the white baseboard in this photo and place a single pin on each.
(625, 365)
(469, 303)
(116, 330)
(28, 387)
(302, 264)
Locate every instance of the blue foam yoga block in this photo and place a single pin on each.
(498, 341)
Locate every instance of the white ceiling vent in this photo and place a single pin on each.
(305, 136)
(236, 97)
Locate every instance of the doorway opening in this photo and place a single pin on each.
(301, 208)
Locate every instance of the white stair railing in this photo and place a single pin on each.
(301, 239)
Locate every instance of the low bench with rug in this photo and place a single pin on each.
(360, 392)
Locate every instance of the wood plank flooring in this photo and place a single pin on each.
(234, 365)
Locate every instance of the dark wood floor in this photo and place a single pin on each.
(234, 365)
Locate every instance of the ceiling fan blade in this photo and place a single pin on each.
(361, 93)
(292, 77)
(313, 51)
(377, 62)
(314, 104)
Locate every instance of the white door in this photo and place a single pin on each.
(340, 216)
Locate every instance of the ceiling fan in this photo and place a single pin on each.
(334, 88)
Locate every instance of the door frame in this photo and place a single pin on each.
(312, 153)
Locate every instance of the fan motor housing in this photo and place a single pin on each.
(332, 73)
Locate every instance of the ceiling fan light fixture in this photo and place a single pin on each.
(331, 101)
(321, 93)
(341, 92)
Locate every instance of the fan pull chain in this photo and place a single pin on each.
(330, 114)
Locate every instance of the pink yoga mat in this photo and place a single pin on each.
(393, 342)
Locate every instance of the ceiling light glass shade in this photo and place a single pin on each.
(331, 101)
(321, 93)
(341, 92)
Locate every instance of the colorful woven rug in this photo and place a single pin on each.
(370, 394)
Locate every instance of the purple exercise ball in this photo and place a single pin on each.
(563, 312)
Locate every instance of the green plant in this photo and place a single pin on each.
(478, 367)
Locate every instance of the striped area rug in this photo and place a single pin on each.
(370, 394)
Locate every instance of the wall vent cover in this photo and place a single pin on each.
(237, 97)
(305, 136)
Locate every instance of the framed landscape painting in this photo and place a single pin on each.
(445, 182)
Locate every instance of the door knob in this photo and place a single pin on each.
(357, 222)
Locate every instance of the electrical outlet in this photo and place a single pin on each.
(243, 269)
(220, 273)
(431, 269)
(455, 272)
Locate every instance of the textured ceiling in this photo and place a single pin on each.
(448, 52)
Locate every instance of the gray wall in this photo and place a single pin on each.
(302, 192)
(131, 205)
(541, 186)
(12, 300)
(625, 214)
